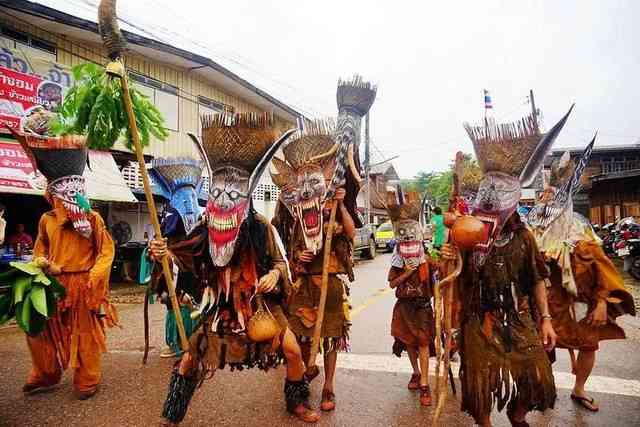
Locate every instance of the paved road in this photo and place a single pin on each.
(371, 383)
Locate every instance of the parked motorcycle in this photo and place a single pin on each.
(633, 248)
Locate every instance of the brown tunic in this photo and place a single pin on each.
(503, 360)
(596, 278)
(305, 295)
(412, 323)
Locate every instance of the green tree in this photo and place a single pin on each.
(437, 185)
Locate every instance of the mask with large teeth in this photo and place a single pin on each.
(497, 199)
(303, 195)
(227, 209)
(409, 238)
(70, 190)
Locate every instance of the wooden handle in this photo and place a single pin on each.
(315, 343)
(166, 270)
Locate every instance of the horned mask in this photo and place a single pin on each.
(510, 157)
(404, 209)
(551, 219)
(237, 150)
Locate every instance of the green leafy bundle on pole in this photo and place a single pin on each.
(94, 107)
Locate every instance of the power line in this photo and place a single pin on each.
(190, 97)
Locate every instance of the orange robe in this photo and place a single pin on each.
(75, 335)
(596, 278)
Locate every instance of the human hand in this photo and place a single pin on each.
(449, 252)
(598, 315)
(158, 248)
(549, 336)
(268, 282)
(340, 193)
(410, 265)
(306, 256)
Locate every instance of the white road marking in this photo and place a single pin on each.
(564, 380)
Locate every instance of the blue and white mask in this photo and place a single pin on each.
(180, 181)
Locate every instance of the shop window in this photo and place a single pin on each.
(163, 95)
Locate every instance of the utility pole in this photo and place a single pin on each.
(533, 109)
(367, 170)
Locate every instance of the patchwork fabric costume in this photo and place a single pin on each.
(74, 239)
(180, 181)
(581, 273)
(227, 254)
(503, 361)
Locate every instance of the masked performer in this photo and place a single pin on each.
(503, 357)
(587, 293)
(320, 168)
(180, 182)
(239, 265)
(412, 325)
(79, 250)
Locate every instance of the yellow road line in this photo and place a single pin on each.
(369, 301)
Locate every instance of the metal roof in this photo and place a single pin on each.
(146, 32)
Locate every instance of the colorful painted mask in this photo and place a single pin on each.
(62, 161)
(237, 150)
(323, 158)
(404, 210)
(309, 164)
(70, 190)
(510, 156)
(180, 181)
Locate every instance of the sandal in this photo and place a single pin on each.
(587, 403)
(305, 413)
(328, 402)
(425, 395)
(414, 382)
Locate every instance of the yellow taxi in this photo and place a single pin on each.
(384, 236)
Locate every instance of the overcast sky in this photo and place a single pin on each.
(431, 61)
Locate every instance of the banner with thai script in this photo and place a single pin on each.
(27, 83)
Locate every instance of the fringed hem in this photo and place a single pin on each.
(329, 344)
(492, 377)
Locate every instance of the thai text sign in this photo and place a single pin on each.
(25, 85)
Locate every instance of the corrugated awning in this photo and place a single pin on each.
(104, 181)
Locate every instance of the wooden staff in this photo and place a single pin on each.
(315, 343)
(115, 44)
(443, 293)
(166, 270)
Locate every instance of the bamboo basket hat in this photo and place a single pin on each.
(55, 157)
